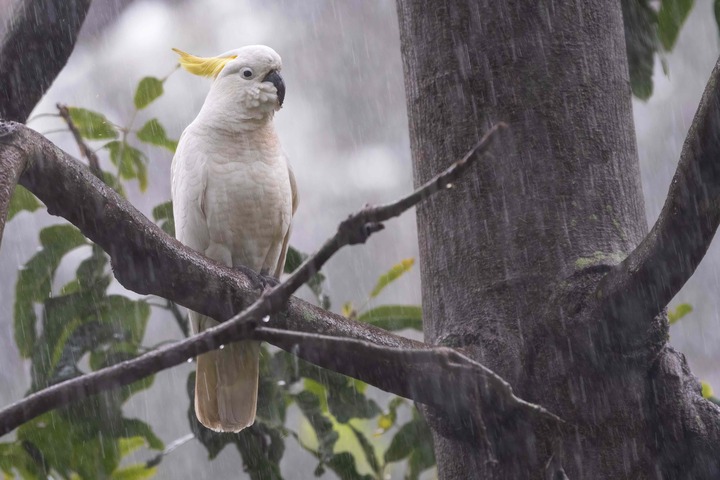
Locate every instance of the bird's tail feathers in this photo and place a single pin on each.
(226, 386)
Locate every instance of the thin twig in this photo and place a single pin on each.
(148, 261)
(180, 319)
(153, 462)
(358, 227)
(85, 151)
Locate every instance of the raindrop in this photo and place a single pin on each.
(266, 318)
(449, 186)
(189, 360)
(222, 346)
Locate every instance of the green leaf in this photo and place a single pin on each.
(344, 401)
(64, 338)
(68, 440)
(315, 284)
(138, 471)
(295, 258)
(132, 427)
(154, 133)
(641, 43)
(15, 459)
(92, 125)
(83, 322)
(679, 312)
(716, 10)
(394, 317)
(413, 436)
(21, 200)
(147, 91)
(309, 405)
(130, 315)
(35, 280)
(391, 275)
(343, 464)
(670, 17)
(420, 459)
(368, 450)
(163, 215)
(261, 448)
(130, 161)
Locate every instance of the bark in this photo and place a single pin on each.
(514, 279)
(147, 260)
(39, 39)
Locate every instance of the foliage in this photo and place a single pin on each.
(57, 327)
(21, 200)
(68, 329)
(651, 28)
(679, 312)
(337, 416)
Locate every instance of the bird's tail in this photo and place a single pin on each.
(226, 386)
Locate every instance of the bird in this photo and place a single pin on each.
(234, 197)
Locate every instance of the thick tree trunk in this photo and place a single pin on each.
(510, 257)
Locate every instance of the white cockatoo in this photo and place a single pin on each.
(234, 197)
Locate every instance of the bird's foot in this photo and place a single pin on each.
(261, 282)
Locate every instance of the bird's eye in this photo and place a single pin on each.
(247, 72)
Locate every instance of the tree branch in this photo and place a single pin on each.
(34, 49)
(642, 285)
(11, 166)
(146, 260)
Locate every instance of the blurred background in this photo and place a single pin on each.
(344, 128)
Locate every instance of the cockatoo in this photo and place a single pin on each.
(234, 197)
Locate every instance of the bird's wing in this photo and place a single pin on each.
(286, 241)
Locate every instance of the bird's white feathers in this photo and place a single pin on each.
(233, 200)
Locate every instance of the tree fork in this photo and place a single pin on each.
(514, 280)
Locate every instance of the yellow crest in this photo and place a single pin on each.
(204, 67)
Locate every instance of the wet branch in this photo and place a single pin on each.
(35, 47)
(642, 285)
(11, 167)
(146, 260)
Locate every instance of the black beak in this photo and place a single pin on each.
(275, 78)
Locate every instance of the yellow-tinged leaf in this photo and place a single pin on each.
(393, 274)
(139, 471)
(384, 423)
(129, 445)
(707, 390)
(679, 312)
(348, 311)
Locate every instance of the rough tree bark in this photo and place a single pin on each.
(38, 41)
(514, 279)
(536, 254)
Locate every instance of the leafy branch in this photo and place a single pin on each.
(426, 364)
